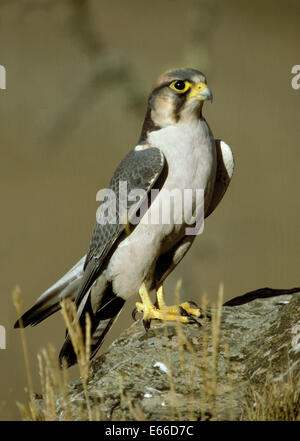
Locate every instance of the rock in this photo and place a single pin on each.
(192, 372)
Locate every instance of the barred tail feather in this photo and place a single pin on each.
(101, 323)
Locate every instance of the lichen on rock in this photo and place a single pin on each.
(179, 372)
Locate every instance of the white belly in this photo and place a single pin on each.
(191, 159)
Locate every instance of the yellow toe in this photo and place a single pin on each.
(163, 312)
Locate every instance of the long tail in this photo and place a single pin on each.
(49, 301)
(101, 322)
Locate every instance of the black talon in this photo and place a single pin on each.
(191, 318)
(134, 313)
(193, 304)
(183, 312)
(147, 324)
(194, 320)
(206, 314)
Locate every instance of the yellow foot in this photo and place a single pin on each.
(182, 313)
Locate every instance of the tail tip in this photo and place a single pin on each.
(67, 356)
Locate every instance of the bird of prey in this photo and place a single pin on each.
(176, 151)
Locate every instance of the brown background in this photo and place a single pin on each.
(69, 115)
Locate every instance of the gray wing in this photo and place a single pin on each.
(140, 169)
(225, 166)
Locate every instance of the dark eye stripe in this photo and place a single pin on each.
(180, 101)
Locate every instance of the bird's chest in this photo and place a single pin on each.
(190, 153)
(191, 159)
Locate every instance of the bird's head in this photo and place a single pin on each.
(177, 96)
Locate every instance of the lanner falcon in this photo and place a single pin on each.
(176, 151)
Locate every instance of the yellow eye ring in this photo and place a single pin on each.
(180, 86)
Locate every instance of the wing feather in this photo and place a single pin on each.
(225, 166)
(140, 169)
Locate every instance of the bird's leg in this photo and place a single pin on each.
(163, 312)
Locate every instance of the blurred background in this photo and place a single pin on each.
(78, 76)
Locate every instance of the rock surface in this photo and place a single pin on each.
(187, 372)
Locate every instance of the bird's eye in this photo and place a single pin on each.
(180, 86)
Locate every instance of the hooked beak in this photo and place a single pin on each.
(201, 92)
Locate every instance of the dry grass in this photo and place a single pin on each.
(279, 400)
(206, 365)
(276, 401)
(54, 379)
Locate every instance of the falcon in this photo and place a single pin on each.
(176, 151)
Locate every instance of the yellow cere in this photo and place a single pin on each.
(196, 91)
